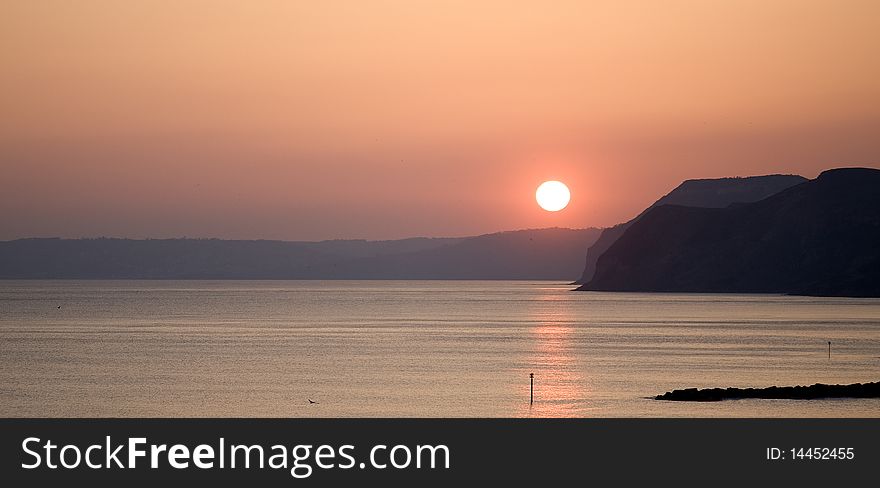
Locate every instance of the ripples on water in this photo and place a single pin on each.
(426, 348)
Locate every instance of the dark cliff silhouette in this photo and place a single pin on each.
(709, 193)
(821, 237)
(551, 254)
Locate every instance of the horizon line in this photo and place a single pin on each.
(336, 239)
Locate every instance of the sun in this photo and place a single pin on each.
(552, 196)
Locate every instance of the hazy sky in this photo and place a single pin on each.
(385, 119)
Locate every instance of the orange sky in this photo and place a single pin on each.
(386, 119)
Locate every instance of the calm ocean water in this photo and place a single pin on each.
(438, 348)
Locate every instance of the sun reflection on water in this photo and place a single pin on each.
(560, 390)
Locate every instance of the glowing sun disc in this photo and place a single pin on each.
(552, 196)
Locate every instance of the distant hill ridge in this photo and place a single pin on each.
(552, 254)
(821, 237)
(709, 193)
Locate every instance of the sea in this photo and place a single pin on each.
(418, 349)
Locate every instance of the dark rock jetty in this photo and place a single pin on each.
(819, 390)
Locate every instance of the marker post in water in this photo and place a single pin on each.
(829, 349)
(531, 388)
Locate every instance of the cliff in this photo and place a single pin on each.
(821, 237)
(708, 193)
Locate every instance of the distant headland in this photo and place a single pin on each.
(533, 254)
